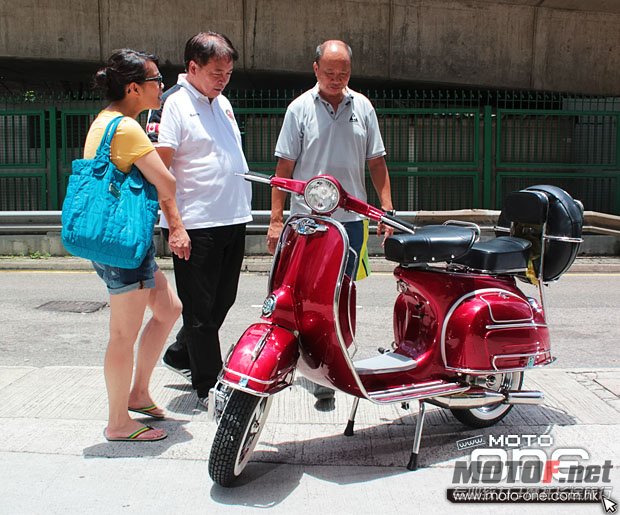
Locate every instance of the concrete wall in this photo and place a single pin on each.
(569, 45)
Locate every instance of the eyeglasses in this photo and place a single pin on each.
(158, 78)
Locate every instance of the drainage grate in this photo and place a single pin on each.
(68, 306)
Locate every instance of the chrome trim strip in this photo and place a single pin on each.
(260, 344)
(249, 378)
(566, 239)
(514, 326)
(470, 225)
(353, 343)
(336, 304)
(541, 271)
(453, 308)
(494, 272)
(243, 389)
(230, 351)
(503, 370)
(523, 355)
(516, 319)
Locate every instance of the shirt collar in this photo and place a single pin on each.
(182, 81)
(348, 95)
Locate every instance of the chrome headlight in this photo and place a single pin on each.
(322, 195)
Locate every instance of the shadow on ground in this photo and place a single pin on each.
(373, 452)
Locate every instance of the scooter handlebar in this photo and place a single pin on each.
(291, 185)
(349, 203)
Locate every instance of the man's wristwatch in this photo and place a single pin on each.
(390, 212)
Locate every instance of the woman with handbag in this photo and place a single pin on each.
(132, 82)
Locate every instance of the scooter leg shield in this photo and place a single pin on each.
(262, 361)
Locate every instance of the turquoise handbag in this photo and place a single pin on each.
(108, 216)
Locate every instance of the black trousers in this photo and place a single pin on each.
(207, 286)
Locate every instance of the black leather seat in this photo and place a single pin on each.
(535, 217)
(502, 255)
(430, 244)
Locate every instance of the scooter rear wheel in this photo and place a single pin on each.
(486, 416)
(238, 432)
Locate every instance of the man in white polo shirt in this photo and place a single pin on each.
(333, 130)
(201, 144)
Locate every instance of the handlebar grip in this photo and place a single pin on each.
(256, 177)
(257, 174)
(397, 223)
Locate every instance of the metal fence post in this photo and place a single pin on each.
(487, 173)
(53, 171)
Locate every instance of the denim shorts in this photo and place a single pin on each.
(121, 280)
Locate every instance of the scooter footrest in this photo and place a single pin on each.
(409, 392)
(384, 364)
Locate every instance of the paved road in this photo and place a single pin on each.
(584, 314)
(53, 409)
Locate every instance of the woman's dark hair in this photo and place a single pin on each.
(124, 67)
(206, 45)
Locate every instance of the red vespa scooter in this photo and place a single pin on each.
(463, 331)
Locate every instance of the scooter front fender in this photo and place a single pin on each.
(262, 362)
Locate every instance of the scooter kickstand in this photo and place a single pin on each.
(413, 461)
(349, 429)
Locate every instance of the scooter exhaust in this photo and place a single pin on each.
(520, 397)
(479, 397)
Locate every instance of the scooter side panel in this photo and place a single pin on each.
(262, 360)
(445, 321)
(494, 331)
(425, 296)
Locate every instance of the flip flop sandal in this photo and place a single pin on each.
(148, 411)
(135, 436)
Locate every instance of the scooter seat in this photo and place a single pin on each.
(502, 255)
(384, 363)
(429, 244)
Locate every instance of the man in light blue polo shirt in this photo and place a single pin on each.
(333, 130)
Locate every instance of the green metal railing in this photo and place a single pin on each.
(446, 149)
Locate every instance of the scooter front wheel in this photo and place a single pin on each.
(240, 427)
(486, 416)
